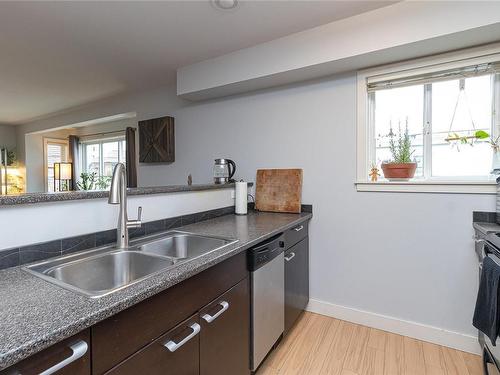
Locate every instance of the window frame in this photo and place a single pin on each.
(46, 142)
(100, 141)
(366, 132)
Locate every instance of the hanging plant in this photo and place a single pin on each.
(467, 139)
(456, 139)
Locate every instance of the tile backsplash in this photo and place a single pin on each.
(484, 217)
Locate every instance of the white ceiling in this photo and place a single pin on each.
(59, 55)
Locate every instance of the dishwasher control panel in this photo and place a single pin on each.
(265, 252)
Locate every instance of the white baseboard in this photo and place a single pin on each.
(455, 340)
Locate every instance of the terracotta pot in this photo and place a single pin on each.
(399, 171)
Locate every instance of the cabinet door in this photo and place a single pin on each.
(175, 353)
(68, 357)
(296, 281)
(123, 334)
(225, 333)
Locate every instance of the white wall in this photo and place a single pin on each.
(7, 136)
(33, 164)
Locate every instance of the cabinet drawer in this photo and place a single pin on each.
(121, 335)
(225, 333)
(72, 356)
(295, 234)
(176, 352)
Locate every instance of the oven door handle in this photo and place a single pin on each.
(484, 247)
(489, 363)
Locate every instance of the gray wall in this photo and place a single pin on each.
(405, 255)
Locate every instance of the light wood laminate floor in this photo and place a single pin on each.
(323, 345)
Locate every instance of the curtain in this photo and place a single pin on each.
(131, 157)
(74, 142)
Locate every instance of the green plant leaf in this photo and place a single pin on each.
(481, 134)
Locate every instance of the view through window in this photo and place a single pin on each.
(442, 117)
(99, 157)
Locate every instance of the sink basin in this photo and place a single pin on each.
(98, 272)
(180, 245)
(99, 275)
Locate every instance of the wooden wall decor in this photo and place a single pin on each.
(157, 140)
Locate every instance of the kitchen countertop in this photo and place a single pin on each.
(486, 228)
(31, 198)
(36, 314)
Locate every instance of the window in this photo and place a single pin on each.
(56, 151)
(100, 156)
(450, 111)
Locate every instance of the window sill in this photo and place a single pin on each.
(450, 187)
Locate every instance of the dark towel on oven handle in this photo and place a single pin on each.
(486, 314)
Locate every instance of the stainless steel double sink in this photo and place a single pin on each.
(96, 273)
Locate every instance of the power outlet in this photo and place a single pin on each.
(233, 194)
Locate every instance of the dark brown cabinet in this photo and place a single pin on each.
(225, 333)
(122, 335)
(213, 341)
(176, 352)
(68, 357)
(296, 281)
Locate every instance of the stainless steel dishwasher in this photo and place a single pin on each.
(267, 277)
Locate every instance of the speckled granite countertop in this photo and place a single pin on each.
(35, 314)
(31, 198)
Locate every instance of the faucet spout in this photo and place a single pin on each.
(118, 195)
(118, 184)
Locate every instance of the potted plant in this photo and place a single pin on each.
(401, 167)
(87, 181)
(11, 157)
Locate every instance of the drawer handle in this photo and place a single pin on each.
(298, 229)
(290, 257)
(210, 318)
(173, 346)
(79, 349)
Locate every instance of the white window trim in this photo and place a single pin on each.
(364, 133)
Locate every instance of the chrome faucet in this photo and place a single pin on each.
(118, 195)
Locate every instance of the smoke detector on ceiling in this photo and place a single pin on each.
(225, 4)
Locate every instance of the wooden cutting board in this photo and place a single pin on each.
(278, 190)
